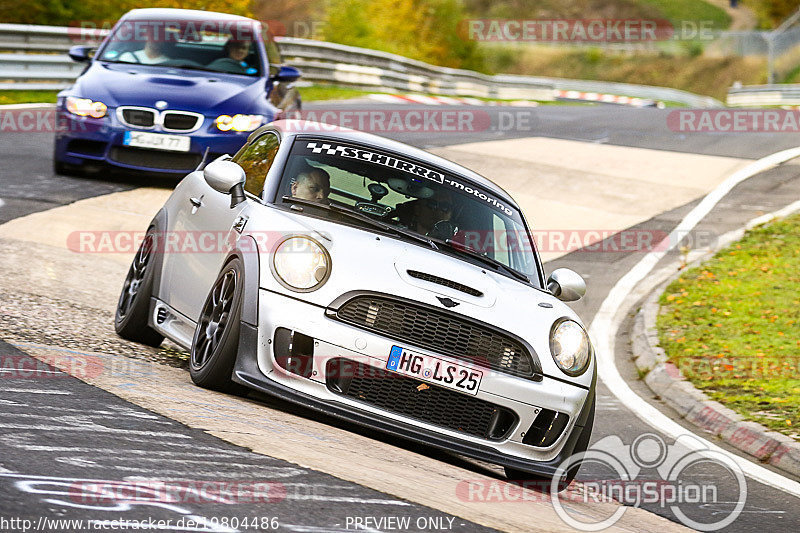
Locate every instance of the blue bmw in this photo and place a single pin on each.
(168, 85)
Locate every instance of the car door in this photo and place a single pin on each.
(206, 227)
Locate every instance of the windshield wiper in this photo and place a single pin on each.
(363, 218)
(466, 250)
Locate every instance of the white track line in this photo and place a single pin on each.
(25, 106)
(608, 319)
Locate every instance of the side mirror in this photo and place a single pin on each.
(81, 54)
(226, 177)
(566, 285)
(287, 74)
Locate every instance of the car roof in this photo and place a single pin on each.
(171, 14)
(294, 128)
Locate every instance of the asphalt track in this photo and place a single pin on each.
(28, 186)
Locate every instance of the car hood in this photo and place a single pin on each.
(362, 260)
(188, 90)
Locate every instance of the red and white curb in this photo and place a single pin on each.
(607, 99)
(444, 100)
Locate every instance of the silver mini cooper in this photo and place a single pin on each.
(374, 282)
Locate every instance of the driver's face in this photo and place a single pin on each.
(437, 208)
(239, 51)
(433, 210)
(313, 186)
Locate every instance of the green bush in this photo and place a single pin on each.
(102, 12)
(428, 31)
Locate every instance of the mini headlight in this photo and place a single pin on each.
(570, 347)
(238, 122)
(84, 107)
(301, 264)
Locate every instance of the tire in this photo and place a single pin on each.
(133, 307)
(216, 338)
(580, 446)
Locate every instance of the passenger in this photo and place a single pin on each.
(311, 184)
(234, 61)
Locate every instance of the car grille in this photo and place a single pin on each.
(177, 121)
(444, 282)
(414, 399)
(142, 157)
(139, 118)
(441, 332)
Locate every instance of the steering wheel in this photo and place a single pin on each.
(443, 230)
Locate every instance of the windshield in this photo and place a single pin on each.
(412, 196)
(228, 46)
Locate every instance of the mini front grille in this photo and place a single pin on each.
(415, 399)
(441, 332)
(177, 121)
(140, 118)
(444, 282)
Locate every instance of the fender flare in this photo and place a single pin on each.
(159, 222)
(247, 252)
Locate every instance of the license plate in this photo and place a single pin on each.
(157, 141)
(434, 370)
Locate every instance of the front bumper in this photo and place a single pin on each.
(257, 368)
(85, 140)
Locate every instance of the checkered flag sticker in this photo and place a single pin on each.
(329, 150)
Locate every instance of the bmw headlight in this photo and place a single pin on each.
(570, 347)
(84, 107)
(238, 122)
(301, 264)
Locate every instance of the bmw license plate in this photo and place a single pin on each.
(434, 370)
(157, 141)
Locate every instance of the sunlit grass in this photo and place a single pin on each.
(27, 97)
(733, 326)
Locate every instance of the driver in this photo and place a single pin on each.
(311, 184)
(422, 214)
(151, 54)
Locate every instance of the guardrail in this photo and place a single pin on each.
(764, 95)
(33, 57)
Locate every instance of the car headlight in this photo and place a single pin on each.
(84, 107)
(238, 122)
(570, 347)
(301, 264)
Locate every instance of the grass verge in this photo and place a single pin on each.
(331, 92)
(679, 11)
(27, 97)
(732, 326)
(702, 75)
